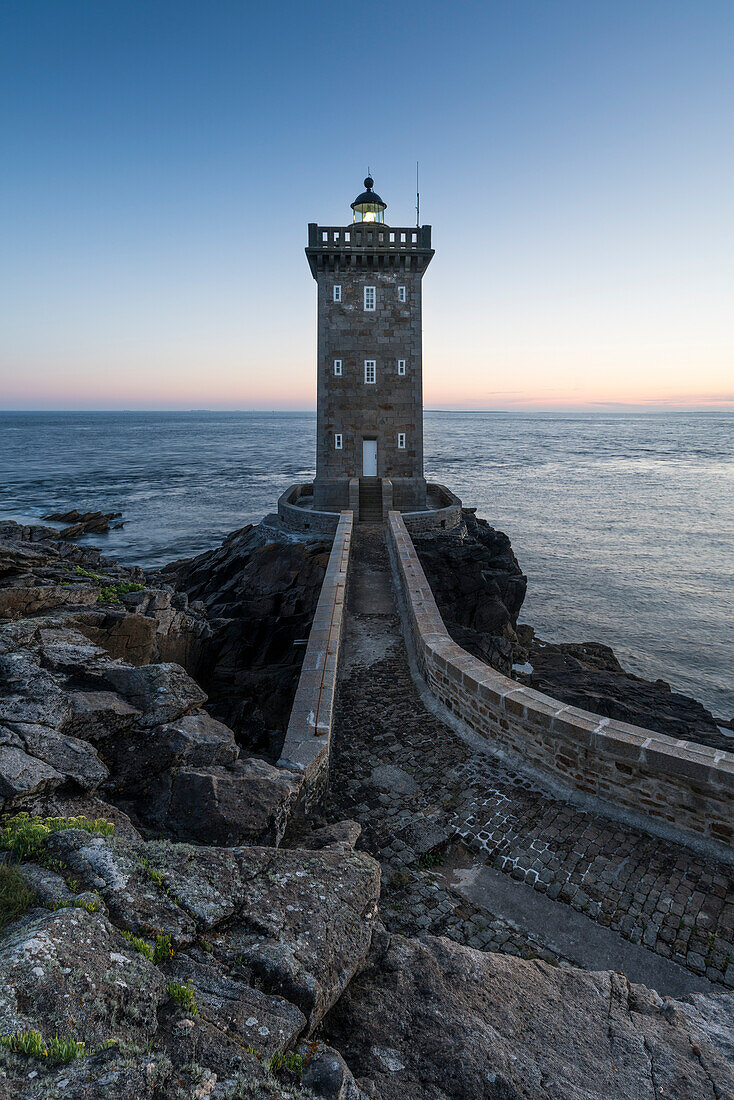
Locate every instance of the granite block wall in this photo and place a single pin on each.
(685, 788)
(308, 737)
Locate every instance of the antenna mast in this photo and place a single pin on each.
(417, 198)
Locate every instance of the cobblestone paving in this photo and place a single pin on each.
(416, 787)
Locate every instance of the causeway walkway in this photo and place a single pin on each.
(473, 850)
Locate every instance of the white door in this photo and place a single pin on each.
(369, 458)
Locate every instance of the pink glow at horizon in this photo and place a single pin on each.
(136, 391)
(162, 163)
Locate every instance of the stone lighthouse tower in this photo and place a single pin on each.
(370, 386)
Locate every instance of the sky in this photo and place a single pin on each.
(161, 161)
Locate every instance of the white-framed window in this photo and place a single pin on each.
(338, 441)
(401, 441)
(370, 371)
(337, 293)
(338, 368)
(401, 367)
(370, 297)
(401, 294)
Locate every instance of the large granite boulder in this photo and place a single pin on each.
(248, 803)
(255, 1019)
(299, 922)
(435, 1020)
(22, 775)
(127, 881)
(70, 973)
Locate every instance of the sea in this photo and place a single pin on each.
(623, 523)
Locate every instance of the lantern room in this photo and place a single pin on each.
(369, 207)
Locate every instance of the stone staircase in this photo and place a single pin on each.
(370, 500)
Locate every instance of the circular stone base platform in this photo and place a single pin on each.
(296, 511)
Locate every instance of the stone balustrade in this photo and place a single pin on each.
(672, 787)
(308, 737)
(367, 235)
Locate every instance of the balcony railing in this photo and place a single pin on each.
(339, 238)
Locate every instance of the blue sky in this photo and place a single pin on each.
(162, 160)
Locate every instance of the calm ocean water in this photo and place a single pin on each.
(624, 524)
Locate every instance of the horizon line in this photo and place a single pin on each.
(596, 407)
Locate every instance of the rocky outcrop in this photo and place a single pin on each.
(433, 1019)
(188, 955)
(111, 605)
(72, 718)
(118, 968)
(260, 589)
(478, 585)
(589, 676)
(70, 972)
(297, 923)
(83, 523)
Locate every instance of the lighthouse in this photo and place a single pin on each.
(369, 358)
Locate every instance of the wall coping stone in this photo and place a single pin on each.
(308, 736)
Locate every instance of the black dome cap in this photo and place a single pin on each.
(369, 195)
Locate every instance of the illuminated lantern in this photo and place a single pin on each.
(369, 207)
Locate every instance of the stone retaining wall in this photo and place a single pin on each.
(444, 518)
(678, 786)
(305, 520)
(308, 737)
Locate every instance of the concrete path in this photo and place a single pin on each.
(446, 819)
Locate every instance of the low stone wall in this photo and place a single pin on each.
(354, 496)
(444, 518)
(305, 520)
(387, 496)
(678, 786)
(308, 737)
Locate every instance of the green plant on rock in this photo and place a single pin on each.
(16, 896)
(157, 952)
(155, 876)
(183, 997)
(108, 1044)
(289, 1061)
(25, 836)
(76, 903)
(163, 948)
(33, 1045)
(90, 576)
(112, 593)
(138, 943)
(431, 859)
